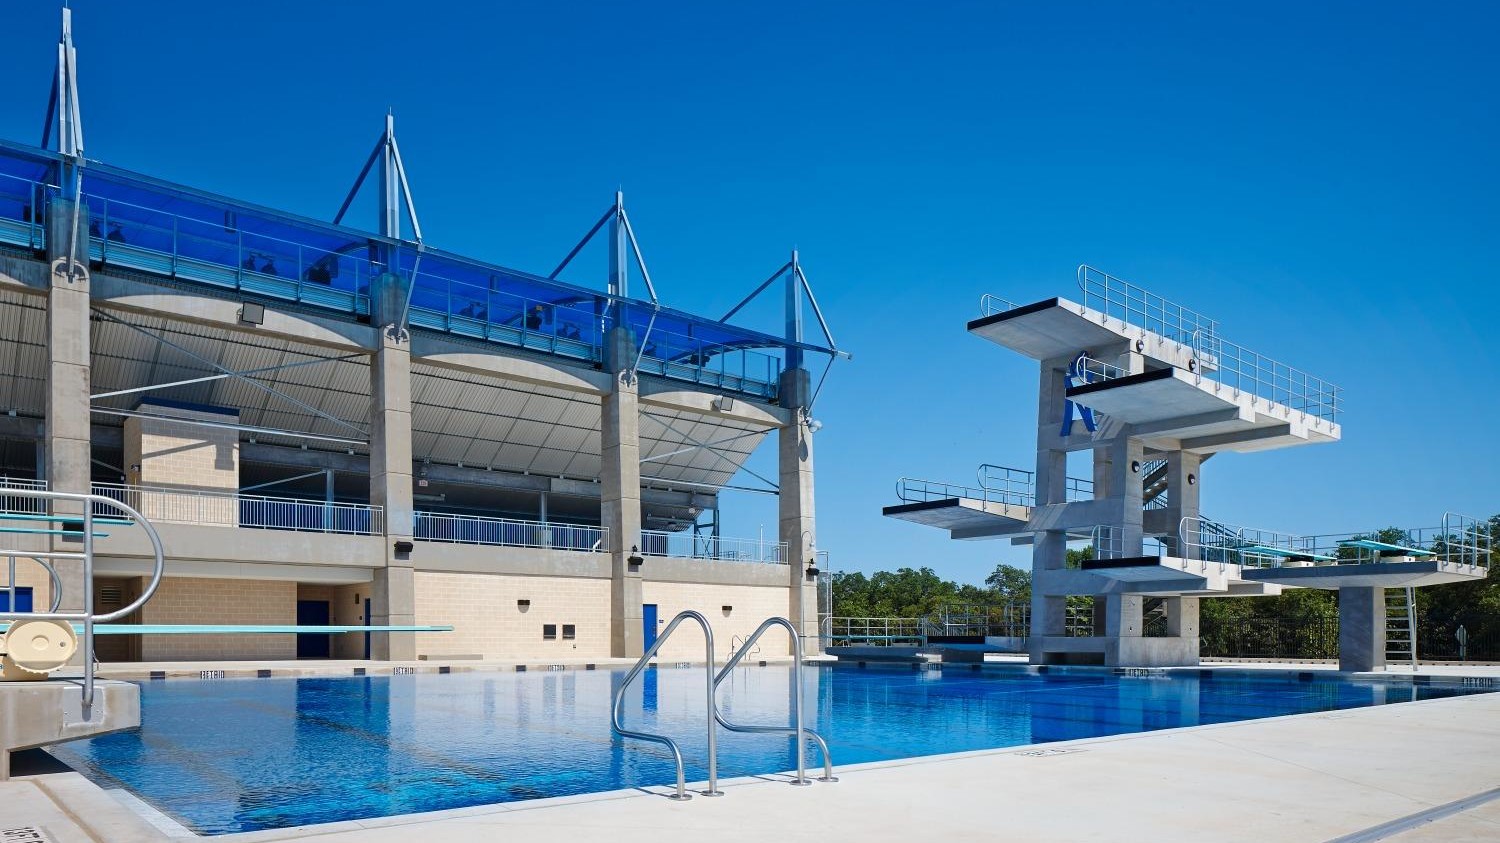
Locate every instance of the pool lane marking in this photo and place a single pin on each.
(1410, 821)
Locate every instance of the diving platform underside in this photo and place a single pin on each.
(1169, 576)
(1403, 574)
(965, 518)
(1174, 409)
(1058, 328)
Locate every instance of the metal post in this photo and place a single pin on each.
(619, 283)
(793, 315)
(390, 183)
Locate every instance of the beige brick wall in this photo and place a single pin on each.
(482, 609)
(192, 600)
(175, 455)
(31, 575)
(751, 606)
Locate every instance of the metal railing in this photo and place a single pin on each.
(88, 512)
(1217, 359)
(1078, 621)
(1007, 620)
(879, 632)
(228, 509)
(686, 545)
(474, 529)
(1459, 541)
(1091, 370)
(616, 718)
(1122, 300)
(21, 504)
(990, 305)
(798, 728)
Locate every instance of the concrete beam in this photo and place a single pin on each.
(506, 363)
(203, 308)
(673, 396)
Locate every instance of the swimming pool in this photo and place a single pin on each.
(244, 754)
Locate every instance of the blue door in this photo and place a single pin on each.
(23, 599)
(367, 623)
(648, 617)
(315, 645)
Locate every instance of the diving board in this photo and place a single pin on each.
(1284, 553)
(1386, 548)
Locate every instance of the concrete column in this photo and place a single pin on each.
(1361, 629)
(1182, 617)
(1127, 456)
(797, 522)
(393, 598)
(1123, 615)
(67, 428)
(1050, 548)
(1183, 492)
(620, 512)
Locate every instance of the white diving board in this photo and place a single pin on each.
(1385, 548)
(238, 629)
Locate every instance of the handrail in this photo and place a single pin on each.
(989, 305)
(87, 618)
(713, 748)
(800, 730)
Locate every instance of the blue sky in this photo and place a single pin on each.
(1320, 178)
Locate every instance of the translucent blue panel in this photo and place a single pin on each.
(145, 224)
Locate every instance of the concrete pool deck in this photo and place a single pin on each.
(1410, 772)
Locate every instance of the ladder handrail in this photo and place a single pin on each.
(86, 617)
(640, 665)
(800, 730)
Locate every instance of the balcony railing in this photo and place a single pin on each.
(228, 509)
(686, 545)
(22, 505)
(473, 529)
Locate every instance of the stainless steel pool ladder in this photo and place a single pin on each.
(47, 513)
(713, 747)
(797, 728)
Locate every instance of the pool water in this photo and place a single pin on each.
(246, 754)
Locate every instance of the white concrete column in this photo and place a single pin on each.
(620, 513)
(68, 467)
(1361, 629)
(797, 526)
(393, 598)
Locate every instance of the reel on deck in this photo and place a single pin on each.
(32, 649)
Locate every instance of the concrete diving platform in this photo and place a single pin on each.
(1177, 409)
(964, 518)
(1410, 573)
(1056, 327)
(1168, 576)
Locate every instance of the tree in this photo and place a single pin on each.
(1009, 584)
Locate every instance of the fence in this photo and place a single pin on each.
(1317, 637)
(472, 529)
(227, 509)
(687, 545)
(22, 504)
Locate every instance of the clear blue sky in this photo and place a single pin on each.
(1322, 178)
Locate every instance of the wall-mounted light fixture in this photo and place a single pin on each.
(253, 313)
(812, 568)
(723, 403)
(523, 604)
(1192, 479)
(403, 546)
(1135, 466)
(634, 559)
(727, 610)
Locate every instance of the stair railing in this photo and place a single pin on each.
(616, 711)
(798, 728)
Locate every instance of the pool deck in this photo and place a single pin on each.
(1422, 771)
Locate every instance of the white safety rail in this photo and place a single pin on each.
(990, 305)
(1091, 370)
(686, 545)
(473, 529)
(875, 632)
(229, 509)
(996, 484)
(1251, 547)
(76, 519)
(21, 504)
(1458, 541)
(1217, 359)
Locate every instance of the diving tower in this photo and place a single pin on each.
(1153, 390)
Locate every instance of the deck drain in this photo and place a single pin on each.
(25, 834)
(1044, 753)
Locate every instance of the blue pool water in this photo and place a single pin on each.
(246, 754)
